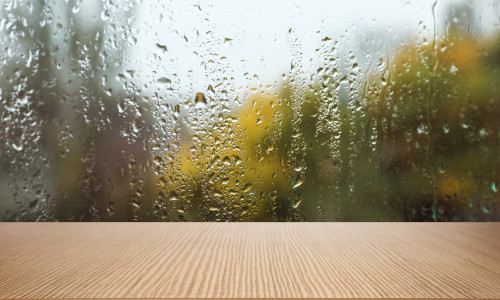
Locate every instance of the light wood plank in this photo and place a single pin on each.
(248, 260)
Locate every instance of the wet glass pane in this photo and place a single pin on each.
(252, 111)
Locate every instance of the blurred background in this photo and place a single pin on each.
(254, 111)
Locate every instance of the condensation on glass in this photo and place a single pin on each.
(251, 111)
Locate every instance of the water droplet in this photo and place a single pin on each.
(446, 129)
(247, 188)
(173, 196)
(164, 80)
(158, 160)
(18, 146)
(269, 149)
(162, 47)
(296, 204)
(298, 183)
(177, 110)
(200, 100)
(111, 208)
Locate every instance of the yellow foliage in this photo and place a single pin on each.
(463, 54)
(235, 160)
(455, 189)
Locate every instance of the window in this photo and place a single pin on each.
(254, 111)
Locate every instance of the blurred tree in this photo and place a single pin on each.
(90, 132)
(441, 129)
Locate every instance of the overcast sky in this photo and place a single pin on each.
(196, 43)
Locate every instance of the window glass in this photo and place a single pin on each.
(249, 110)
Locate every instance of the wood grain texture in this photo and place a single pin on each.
(248, 260)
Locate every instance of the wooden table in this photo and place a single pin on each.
(248, 260)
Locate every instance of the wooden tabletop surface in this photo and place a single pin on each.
(248, 260)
